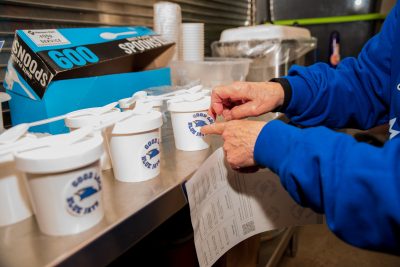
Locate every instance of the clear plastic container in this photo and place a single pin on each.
(270, 58)
(211, 72)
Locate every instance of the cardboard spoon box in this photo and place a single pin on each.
(55, 71)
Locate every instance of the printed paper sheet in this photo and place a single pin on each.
(228, 207)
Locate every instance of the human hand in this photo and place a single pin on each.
(244, 99)
(239, 140)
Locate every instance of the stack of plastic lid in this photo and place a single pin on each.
(192, 42)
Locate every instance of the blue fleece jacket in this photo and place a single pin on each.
(356, 185)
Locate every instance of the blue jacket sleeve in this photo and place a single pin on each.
(355, 94)
(356, 185)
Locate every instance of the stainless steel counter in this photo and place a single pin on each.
(132, 210)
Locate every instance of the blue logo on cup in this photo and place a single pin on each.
(200, 119)
(151, 154)
(86, 192)
(82, 194)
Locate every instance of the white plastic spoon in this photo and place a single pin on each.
(112, 36)
(92, 111)
(127, 102)
(187, 97)
(57, 140)
(192, 90)
(14, 76)
(14, 133)
(141, 108)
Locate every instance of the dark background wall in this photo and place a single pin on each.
(353, 34)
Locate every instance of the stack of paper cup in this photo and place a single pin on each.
(192, 42)
(167, 23)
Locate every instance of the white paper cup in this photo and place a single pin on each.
(157, 105)
(135, 147)
(14, 201)
(187, 119)
(76, 122)
(65, 185)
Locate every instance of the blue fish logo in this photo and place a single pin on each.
(152, 153)
(86, 192)
(199, 123)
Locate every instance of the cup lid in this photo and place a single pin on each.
(60, 158)
(156, 102)
(138, 123)
(83, 120)
(190, 106)
(7, 150)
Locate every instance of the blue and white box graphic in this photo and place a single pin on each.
(55, 71)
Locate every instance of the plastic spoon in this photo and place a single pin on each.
(92, 111)
(57, 140)
(14, 133)
(192, 90)
(141, 108)
(127, 102)
(187, 97)
(112, 36)
(14, 76)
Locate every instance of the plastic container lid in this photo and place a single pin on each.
(7, 150)
(55, 159)
(264, 32)
(80, 121)
(139, 123)
(188, 106)
(150, 99)
(211, 72)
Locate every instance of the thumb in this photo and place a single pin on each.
(215, 128)
(245, 110)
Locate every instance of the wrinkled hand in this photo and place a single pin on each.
(244, 99)
(239, 140)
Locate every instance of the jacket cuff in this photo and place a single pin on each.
(301, 96)
(273, 144)
(287, 88)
